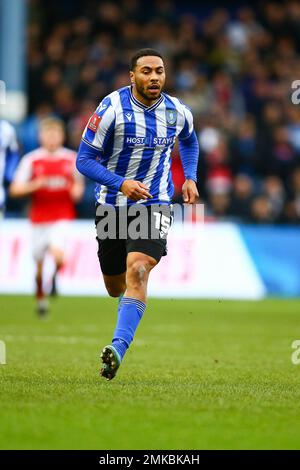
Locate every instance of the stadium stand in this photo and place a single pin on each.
(233, 67)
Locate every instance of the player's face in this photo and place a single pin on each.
(51, 137)
(148, 78)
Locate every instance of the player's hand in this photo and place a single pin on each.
(135, 190)
(18, 189)
(38, 183)
(189, 192)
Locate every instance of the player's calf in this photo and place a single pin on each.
(139, 266)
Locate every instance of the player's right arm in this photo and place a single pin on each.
(12, 155)
(22, 184)
(95, 137)
(189, 154)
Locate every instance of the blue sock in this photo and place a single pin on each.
(130, 312)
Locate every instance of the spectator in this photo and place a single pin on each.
(234, 70)
(242, 194)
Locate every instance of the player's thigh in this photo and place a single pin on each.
(146, 251)
(58, 237)
(156, 221)
(112, 257)
(40, 235)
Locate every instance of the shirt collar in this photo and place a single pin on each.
(143, 106)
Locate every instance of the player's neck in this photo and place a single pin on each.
(142, 99)
(51, 149)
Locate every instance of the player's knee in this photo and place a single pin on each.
(139, 269)
(58, 257)
(115, 291)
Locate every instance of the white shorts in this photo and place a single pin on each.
(49, 235)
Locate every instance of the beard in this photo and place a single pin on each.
(146, 94)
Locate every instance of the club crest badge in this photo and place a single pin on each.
(94, 122)
(171, 117)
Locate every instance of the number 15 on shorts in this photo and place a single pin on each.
(162, 223)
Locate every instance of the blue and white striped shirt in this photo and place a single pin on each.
(9, 156)
(135, 142)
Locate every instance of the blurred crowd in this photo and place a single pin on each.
(234, 67)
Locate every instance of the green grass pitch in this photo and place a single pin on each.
(200, 375)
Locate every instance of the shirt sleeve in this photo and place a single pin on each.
(100, 126)
(13, 143)
(77, 176)
(12, 155)
(189, 154)
(89, 165)
(24, 170)
(188, 127)
(97, 132)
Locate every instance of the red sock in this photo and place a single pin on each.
(39, 288)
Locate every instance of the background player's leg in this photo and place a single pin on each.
(58, 232)
(40, 235)
(42, 304)
(58, 257)
(39, 279)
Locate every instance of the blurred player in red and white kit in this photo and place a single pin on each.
(49, 176)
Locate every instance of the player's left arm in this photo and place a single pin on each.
(77, 190)
(78, 185)
(189, 154)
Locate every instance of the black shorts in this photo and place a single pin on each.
(145, 233)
